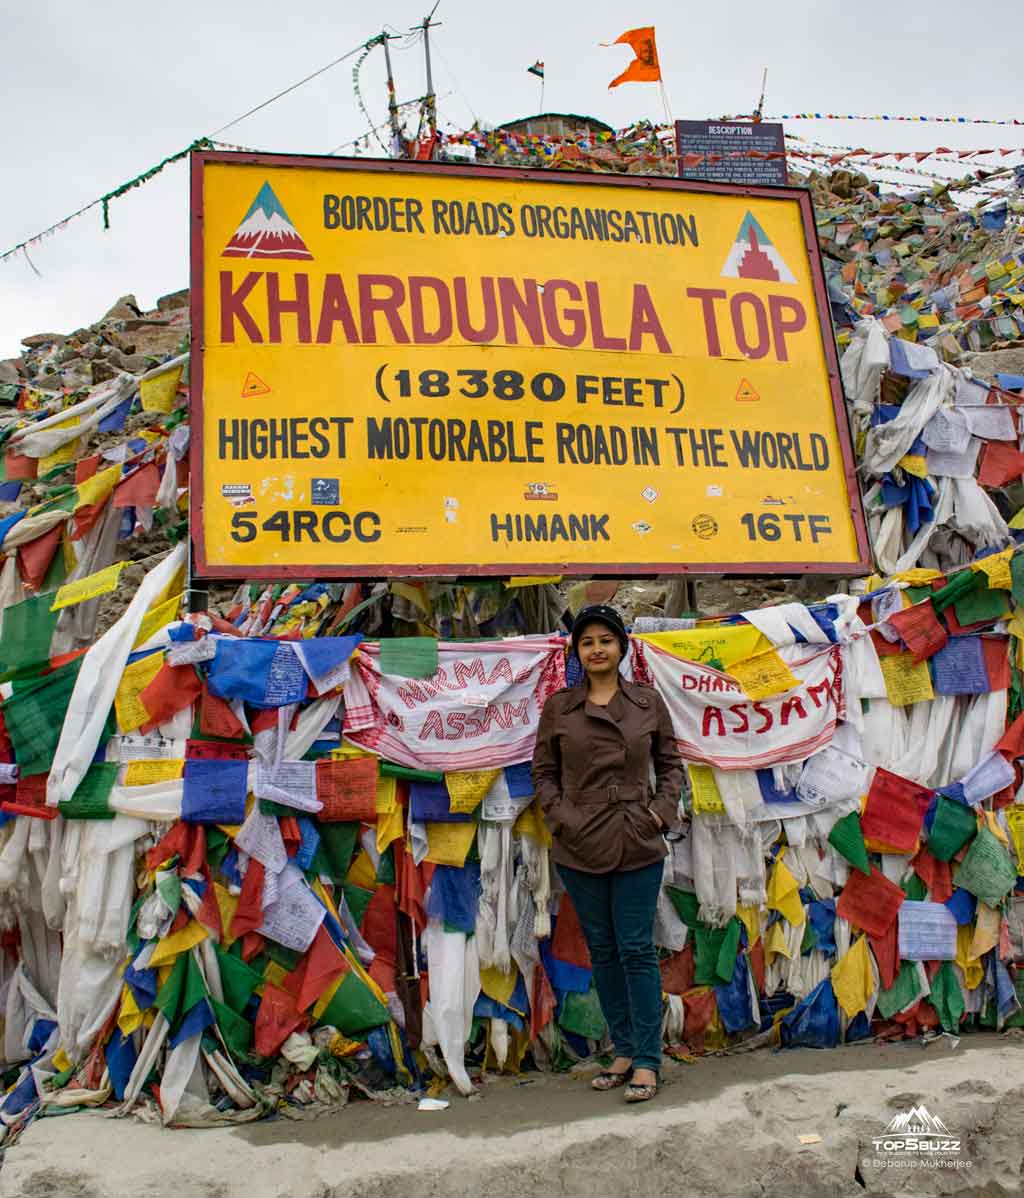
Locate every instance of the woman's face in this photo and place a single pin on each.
(599, 651)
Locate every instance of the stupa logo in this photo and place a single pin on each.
(266, 231)
(754, 257)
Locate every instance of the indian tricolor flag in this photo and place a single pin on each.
(754, 257)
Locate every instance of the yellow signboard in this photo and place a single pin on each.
(402, 368)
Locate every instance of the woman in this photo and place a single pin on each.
(591, 773)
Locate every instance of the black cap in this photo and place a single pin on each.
(600, 613)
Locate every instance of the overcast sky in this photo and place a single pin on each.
(96, 93)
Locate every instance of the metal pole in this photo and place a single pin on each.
(431, 103)
(396, 130)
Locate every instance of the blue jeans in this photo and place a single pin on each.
(616, 913)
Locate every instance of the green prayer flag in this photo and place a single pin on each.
(409, 656)
(168, 999)
(847, 839)
(810, 940)
(978, 605)
(218, 845)
(915, 889)
(237, 979)
(287, 958)
(953, 826)
(334, 852)
(1017, 577)
(168, 885)
(987, 871)
(237, 1032)
(91, 799)
(686, 904)
(726, 963)
(902, 993)
(354, 1008)
(947, 997)
(707, 945)
(27, 631)
(581, 1014)
(917, 594)
(195, 985)
(386, 868)
(34, 716)
(388, 769)
(956, 588)
(358, 900)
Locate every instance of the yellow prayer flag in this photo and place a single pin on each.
(390, 825)
(852, 979)
(995, 827)
(362, 872)
(93, 490)
(100, 583)
(533, 580)
(412, 593)
(145, 771)
(919, 576)
(158, 617)
(275, 974)
(466, 789)
(129, 1017)
(170, 947)
(906, 681)
(1017, 521)
(763, 676)
(324, 1001)
(973, 969)
(996, 568)
(227, 905)
(61, 1060)
(131, 713)
(158, 393)
(531, 823)
(387, 794)
(723, 643)
(1015, 819)
(914, 464)
(784, 894)
(59, 457)
(706, 796)
(986, 931)
(751, 917)
(448, 844)
(776, 943)
(498, 985)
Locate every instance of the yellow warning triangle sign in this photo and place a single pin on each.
(746, 393)
(254, 385)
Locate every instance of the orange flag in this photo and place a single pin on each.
(644, 68)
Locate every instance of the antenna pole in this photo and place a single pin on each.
(760, 104)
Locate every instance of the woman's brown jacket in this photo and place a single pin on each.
(591, 775)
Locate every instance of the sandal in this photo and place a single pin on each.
(607, 1080)
(637, 1092)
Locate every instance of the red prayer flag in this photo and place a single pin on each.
(173, 688)
(1001, 463)
(347, 789)
(677, 971)
(249, 912)
(138, 489)
(920, 629)
(20, 466)
(216, 717)
(276, 1019)
(870, 901)
(86, 467)
(543, 1003)
(997, 661)
(1012, 742)
(322, 964)
(30, 798)
(886, 949)
(935, 874)
(567, 943)
(895, 811)
(34, 558)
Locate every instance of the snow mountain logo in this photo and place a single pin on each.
(266, 231)
(918, 1121)
(754, 257)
